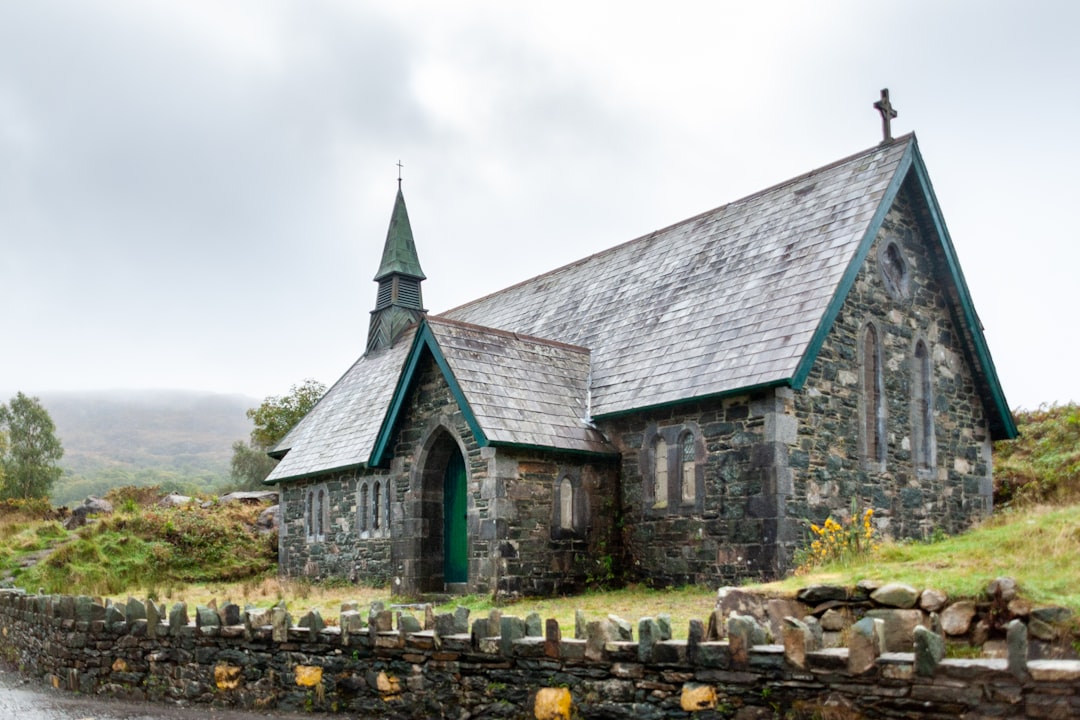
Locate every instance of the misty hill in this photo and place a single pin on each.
(178, 439)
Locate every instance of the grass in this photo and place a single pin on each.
(1038, 546)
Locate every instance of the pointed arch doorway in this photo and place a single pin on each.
(444, 545)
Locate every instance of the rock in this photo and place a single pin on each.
(534, 626)
(741, 630)
(269, 519)
(779, 608)
(798, 640)
(1016, 635)
(864, 645)
(1040, 630)
(833, 621)
(733, 601)
(980, 633)
(1052, 614)
(1003, 587)
(932, 600)
(91, 506)
(899, 627)
(896, 595)
(863, 588)
(929, 651)
(1020, 607)
(174, 500)
(620, 629)
(250, 496)
(956, 619)
(817, 594)
(648, 636)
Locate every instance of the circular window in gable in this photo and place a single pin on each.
(894, 271)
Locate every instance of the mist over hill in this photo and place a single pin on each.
(181, 440)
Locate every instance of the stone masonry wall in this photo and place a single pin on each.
(828, 472)
(396, 665)
(729, 535)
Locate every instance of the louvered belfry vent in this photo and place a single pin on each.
(399, 302)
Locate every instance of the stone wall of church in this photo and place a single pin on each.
(728, 533)
(338, 551)
(829, 468)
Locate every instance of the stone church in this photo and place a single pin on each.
(675, 409)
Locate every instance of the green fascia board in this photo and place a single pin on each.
(424, 341)
(560, 451)
(744, 390)
(911, 161)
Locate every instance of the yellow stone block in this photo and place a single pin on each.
(119, 665)
(696, 696)
(553, 704)
(308, 675)
(387, 684)
(227, 677)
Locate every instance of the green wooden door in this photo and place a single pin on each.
(455, 509)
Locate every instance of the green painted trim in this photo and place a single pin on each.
(852, 272)
(967, 307)
(745, 390)
(424, 339)
(911, 161)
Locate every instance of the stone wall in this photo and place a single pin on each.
(397, 665)
(828, 468)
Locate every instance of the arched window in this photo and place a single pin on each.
(660, 474)
(566, 504)
(375, 516)
(873, 399)
(316, 513)
(688, 465)
(362, 508)
(922, 409)
(309, 516)
(320, 514)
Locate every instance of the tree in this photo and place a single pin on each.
(32, 451)
(273, 419)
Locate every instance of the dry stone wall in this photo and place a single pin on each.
(411, 663)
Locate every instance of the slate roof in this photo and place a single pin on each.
(723, 301)
(738, 297)
(339, 431)
(522, 390)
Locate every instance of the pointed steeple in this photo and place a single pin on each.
(399, 302)
(399, 252)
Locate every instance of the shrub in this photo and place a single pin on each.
(839, 541)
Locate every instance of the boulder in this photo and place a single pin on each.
(91, 506)
(956, 619)
(269, 519)
(250, 496)
(817, 594)
(899, 627)
(174, 500)
(896, 595)
(1003, 587)
(932, 600)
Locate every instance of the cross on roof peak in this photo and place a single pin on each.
(399, 166)
(887, 114)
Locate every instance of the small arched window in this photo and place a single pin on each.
(660, 473)
(320, 514)
(566, 504)
(375, 510)
(873, 399)
(922, 410)
(688, 467)
(362, 508)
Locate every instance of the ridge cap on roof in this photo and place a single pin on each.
(903, 139)
(438, 319)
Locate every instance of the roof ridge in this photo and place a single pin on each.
(643, 238)
(508, 333)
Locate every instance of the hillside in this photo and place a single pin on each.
(176, 439)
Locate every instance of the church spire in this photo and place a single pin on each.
(399, 302)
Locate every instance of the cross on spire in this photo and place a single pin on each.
(887, 114)
(399, 166)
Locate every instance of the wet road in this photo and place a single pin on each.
(31, 700)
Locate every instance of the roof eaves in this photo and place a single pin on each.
(424, 339)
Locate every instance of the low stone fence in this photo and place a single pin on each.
(409, 662)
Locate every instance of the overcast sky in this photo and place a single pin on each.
(195, 194)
